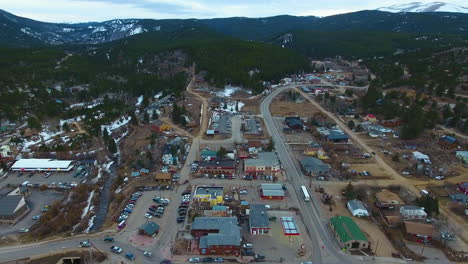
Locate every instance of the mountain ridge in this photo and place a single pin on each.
(419, 7)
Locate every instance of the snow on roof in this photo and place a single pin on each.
(420, 156)
(25, 164)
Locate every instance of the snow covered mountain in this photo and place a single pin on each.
(418, 7)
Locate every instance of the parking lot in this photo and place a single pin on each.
(221, 122)
(37, 179)
(36, 200)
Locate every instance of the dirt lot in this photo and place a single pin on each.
(252, 106)
(282, 106)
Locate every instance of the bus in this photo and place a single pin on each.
(305, 193)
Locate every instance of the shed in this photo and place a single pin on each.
(357, 208)
(420, 230)
(411, 212)
(163, 176)
(148, 229)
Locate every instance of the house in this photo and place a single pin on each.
(448, 142)
(371, 118)
(209, 194)
(333, 135)
(242, 154)
(12, 208)
(217, 235)
(421, 157)
(163, 177)
(217, 210)
(294, 124)
(419, 230)
(387, 199)
(272, 191)
(259, 223)
(357, 208)
(391, 122)
(462, 155)
(267, 163)
(144, 171)
(42, 165)
(462, 187)
(208, 154)
(254, 144)
(411, 212)
(217, 167)
(159, 126)
(149, 229)
(210, 132)
(314, 166)
(348, 233)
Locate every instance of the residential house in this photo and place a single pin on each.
(421, 157)
(348, 233)
(462, 155)
(208, 154)
(448, 142)
(144, 171)
(12, 208)
(295, 124)
(163, 177)
(135, 174)
(259, 223)
(387, 199)
(267, 163)
(272, 191)
(217, 235)
(371, 118)
(357, 208)
(411, 212)
(159, 126)
(420, 231)
(333, 135)
(227, 167)
(149, 229)
(314, 166)
(462, 187)
(209, 194)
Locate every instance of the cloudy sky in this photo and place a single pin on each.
(100, 10)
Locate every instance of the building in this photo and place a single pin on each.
(217, 167)
(357, 208)
(272, 191)
(419, 230)
(5, 151)
(217, 235)
(314, 166)
(159, 126)
(333, 135)
(387, 199)
(371, 118)
(411, 212)
(348, 233)
(462, 155)
(217, 210)
(391, 123)
(448, 142)
(259, 222)
(294, 123)
(163, 177)
(42, 165)
(267, 163)
(149, 229)
(209, 194)
(208, 155)
(12, 208)
(420, 157)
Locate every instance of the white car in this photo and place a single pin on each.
(116, 249)
(148, 216)
(243, 191)
(405, 173)
(24, 230)
(439, 177)
(194, 260)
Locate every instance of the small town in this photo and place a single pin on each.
(332, 163)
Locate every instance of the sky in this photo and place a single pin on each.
(72, 11)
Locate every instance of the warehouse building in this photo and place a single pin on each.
(12, 208)
(42, 165)
(348, 233)
(272, 191)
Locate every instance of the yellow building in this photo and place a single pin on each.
(209, 194)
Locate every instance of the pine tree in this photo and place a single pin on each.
(112, 146)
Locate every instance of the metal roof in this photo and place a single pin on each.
(258, 216)
(271, 186)
(314, 165)
(228, 231)
(268, 159)
(218, 163)
(41, 164)
(149, 228)
(347, 229)
(9, 204)
(272, 192)
(289, 226)
(356, 205)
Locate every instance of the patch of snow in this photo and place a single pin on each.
(117, 124)
(231, 106)
(137, 30)
(118, 190)
(158, 95)
(77, 105)
(88, 205)
(93, 105)
(71, 120)
(139, 100)
(90, 224)
(99, 29)
(68, 29)
(108, 165)
(44, 135)
(228, 90)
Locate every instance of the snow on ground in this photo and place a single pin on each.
(139, 101)
(71, 120)
(158, 95)
(44, 135)
(231, 106)
(121, 137)
(108, 165)
(77, 105)
(90, 224)
(118, 190)
(116, 124)
(88, 205)
(228, 90)
(93, 105)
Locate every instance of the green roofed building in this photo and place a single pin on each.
(348, 233)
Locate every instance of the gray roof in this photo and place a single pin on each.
(258, 216)
(314, 165)
(9, 203)
(271, 186)
(273, 192)
(228, 231)
(150, 228)
(268, 159)
(217, 163)
(355, 205)
(213, 191)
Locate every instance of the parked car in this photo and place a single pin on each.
(194, 260)
(243, 191)
(152, 209)
(218, 260)
(24, 230)
(148, 216)
(247, 245)
(130, 256)
(147, 254)
(180, 219)
(85, 244)
(116, 249)
(440, 177)
(259, 257)
(36, 217)
(208, 260)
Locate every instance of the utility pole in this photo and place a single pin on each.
(376, 247)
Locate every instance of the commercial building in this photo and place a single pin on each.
(217, 235)
(42, 165)
(209, 194)
(163, 177)
(314, 166)
(259, 223)
(267, 163)
(333, 135)
(12, 208)
(272, 191)
(159, 126)
(217, 167)
(208, 155)
(149, 229)
(348, 233)
(357, 208)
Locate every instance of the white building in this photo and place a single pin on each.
(357, 208)
(412, 212)
(418, 156)
(42, 165)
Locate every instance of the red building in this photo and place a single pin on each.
(217, 167)
(271, 191)
(217, 235)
